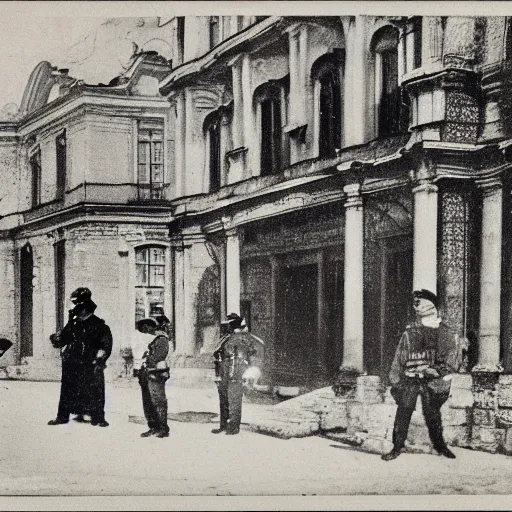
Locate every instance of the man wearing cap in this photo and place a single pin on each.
(86, 344)
(428, 352)
(152, 375)
(237, 351)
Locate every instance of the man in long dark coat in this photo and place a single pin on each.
(86, 344)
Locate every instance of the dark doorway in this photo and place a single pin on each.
(297, 323)
(26, 292)
(396, 308)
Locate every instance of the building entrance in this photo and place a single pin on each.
(296, 354)
(26, 292)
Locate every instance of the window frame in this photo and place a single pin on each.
(36, 176)
(150, 132)
(164, 288)
(385, 48)
(328, 64)
(61, 163)
(272, 93)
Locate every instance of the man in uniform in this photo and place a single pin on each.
(428, 352)
(86, 344)
(237, 351)
(153, 374)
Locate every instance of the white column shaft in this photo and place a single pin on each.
(490, 277)
(232, 274)
(238, 115)
(353, 287)
(425, 237)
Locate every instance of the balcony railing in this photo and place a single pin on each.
(104, 193)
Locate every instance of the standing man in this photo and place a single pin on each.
(86, 344)
(426, 356)
(237, 351)
(153, 374)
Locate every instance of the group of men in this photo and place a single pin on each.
(428, 353)
(86, 344)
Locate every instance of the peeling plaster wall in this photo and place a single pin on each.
(9, 176)
(7, 299)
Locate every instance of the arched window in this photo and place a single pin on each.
(387, 91)
(150, 281)
(327, 75)
(269, 104)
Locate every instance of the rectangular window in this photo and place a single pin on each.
(417, 28)
(214, 30)
(239, 23)
(35, 168)
(61, 149)
(181, 39)
(150, 282)
(59, 253)
(215, 154)
(150, 162)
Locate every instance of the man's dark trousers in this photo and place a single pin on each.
(230, 397)
(154, 402)
(406, 397)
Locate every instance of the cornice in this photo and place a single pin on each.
(224, 49)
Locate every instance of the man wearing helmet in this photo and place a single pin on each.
(86, 344)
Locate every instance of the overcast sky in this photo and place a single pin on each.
(27, 41)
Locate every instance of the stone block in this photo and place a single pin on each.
(418, 448)
(507, 441)
(484, 417)
(284, 429)
(457, 435)
(484, 438)
(355, 416)
(378, 419)
(505, 391)
(455, 416)
(504, 418)
(336, 417)
(485, 399)
(369, 389)
(461, 391)
(376, 445)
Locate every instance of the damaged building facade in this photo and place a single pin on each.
(306, 172)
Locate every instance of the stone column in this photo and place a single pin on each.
(180, 153)
(353, 288)
(232, 271)
(490, 276)
(295, 89)
(251, 142)
(425, 236)
(186, 313)
(238, 118)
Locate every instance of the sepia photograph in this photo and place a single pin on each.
(256, 251)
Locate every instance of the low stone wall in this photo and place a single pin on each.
(477, 415)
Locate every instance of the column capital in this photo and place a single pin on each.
(295, 30)
(490, 185)
(426, 186)
(353, 197)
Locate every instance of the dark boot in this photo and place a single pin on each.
(393, 454)
(162, 433)
(102, 423)
(58, 421)
(446, 452)
(149, 433)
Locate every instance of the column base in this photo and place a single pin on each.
(487, 368)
